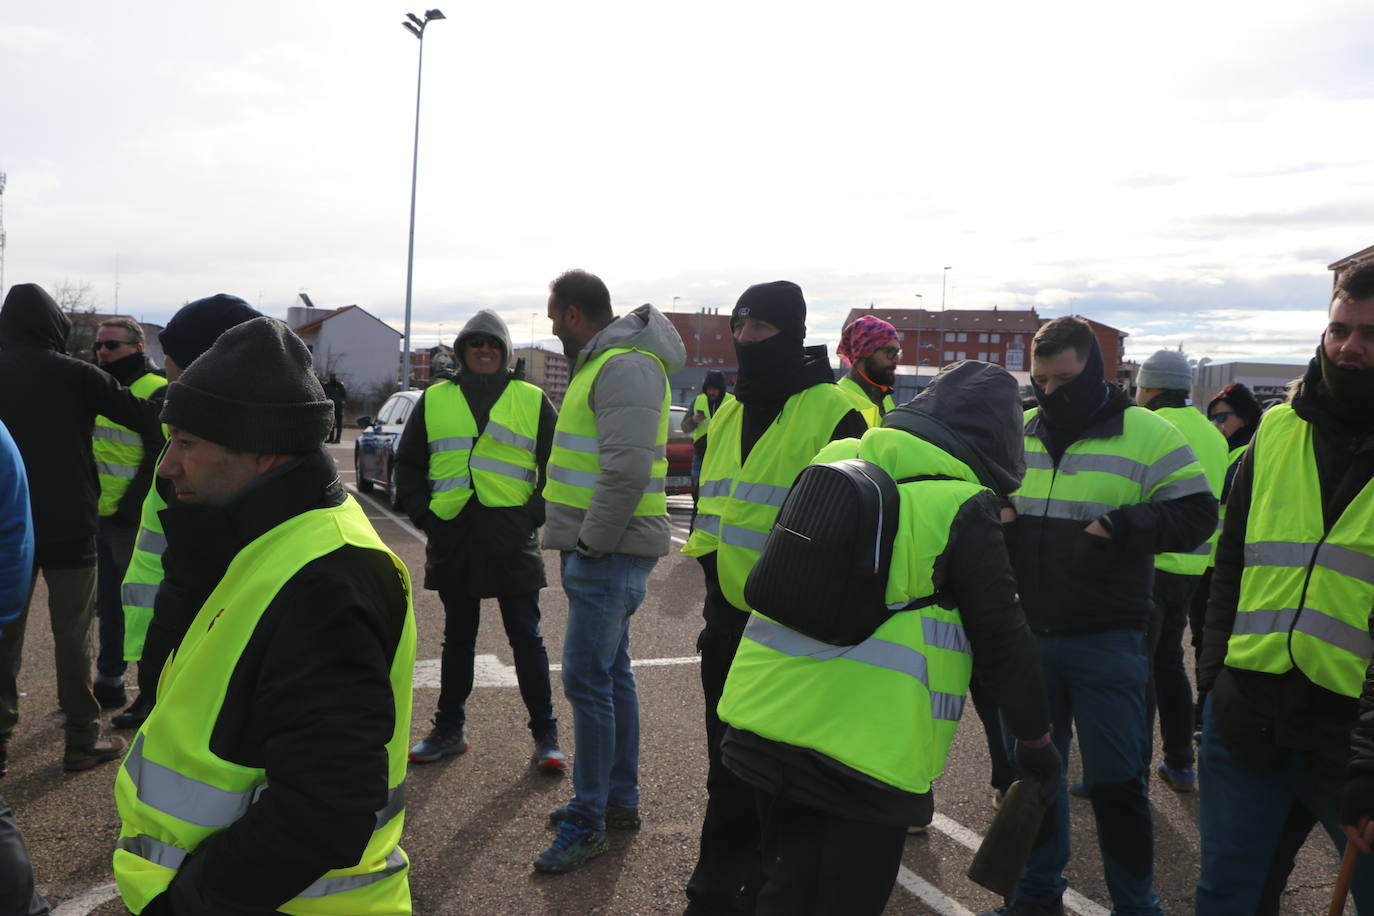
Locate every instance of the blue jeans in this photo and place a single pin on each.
(597, 679)
(114, 548)
(1097, 682)
(1243, 814)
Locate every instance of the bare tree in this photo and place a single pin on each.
(77, 302)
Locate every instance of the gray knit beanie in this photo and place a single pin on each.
(1167, 369)
(253, 391)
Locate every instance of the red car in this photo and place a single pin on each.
(679, 455)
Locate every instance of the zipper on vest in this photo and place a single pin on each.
(1302, 599)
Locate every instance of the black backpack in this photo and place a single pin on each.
(823, 570)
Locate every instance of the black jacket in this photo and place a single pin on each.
(49, 401)
(1074, 582)
(974, 572)
(126, 371)
(310, 700)
(484, 551)
(1261, 715)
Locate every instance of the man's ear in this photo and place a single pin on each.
(572, 315)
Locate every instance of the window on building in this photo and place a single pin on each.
(983, 355)
(963, 355)
(983, 338)
(1017, 341)
(1016, 360)
(950, 336)
(949, 356)
(994, 357)
(963, 338)
(997, 338)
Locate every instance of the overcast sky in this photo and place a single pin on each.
(1182, 171)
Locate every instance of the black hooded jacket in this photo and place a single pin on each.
(49, 401)
(972, 412)
(309, 701)
(1261, 715)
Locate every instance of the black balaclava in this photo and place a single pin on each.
(1351, 391)
(1071, 407)
(770, 370)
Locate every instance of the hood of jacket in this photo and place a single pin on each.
(484, 322)
(646, 329)
(972, 410)
(714, 379)
(30, 318)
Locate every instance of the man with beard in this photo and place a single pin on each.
(1287, 646)
(124, 463)
(786, 409)
(1108, 485)
(607, 514)
(869, 345)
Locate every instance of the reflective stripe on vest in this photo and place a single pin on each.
(1209, 446)
(498, 465)
(574, 468)
(889, 706)
(1305, 590)
(118, 450)
(173, 793)
(144, 575)
(736, 505)
(1147, 462)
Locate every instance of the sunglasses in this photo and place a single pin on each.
(892, 353)
(482, 340)
(1221, 416)
(112, 344)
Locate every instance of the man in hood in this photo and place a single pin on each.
(124, 462)
(50, 401)
(607, 516)
(869, 346)
(787, 409)
(469, 468)
(1108, 485)
(150, 637)
(837, 802)
(1286, 650)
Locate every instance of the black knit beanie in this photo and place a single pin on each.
(196, 325)
(779, 303)
(1241, 401)
(253, 391)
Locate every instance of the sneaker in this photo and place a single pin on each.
(1026, 909)
(437, 744)
(84, 756)
(1079, 790)
(1178, 780)
(575, 843)
(998, 796)
(618, 817)
(917, 829)
(135, 714)
(109, 694)
(548, 755)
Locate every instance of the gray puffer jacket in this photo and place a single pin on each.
(627, 399)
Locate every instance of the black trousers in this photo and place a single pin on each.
(17, 894)
(823, 864)
(729, 869)
(1172, 692)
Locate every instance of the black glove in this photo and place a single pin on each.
(1042, 764)
(1357, 799)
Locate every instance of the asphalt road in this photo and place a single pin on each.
(475, 822)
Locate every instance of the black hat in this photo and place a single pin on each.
(779, 303)
(253, 391)
(1242, 401)
(196, 325)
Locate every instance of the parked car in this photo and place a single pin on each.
(374, 454)
(679, 454)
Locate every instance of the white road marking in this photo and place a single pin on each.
(488, 670)
(930, 895)
(966, 837)
(87, 902)
(401, 523)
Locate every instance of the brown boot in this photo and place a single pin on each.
(98, 751)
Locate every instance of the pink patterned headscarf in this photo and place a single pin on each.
(864, 337)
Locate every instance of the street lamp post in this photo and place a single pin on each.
(943, 278)
(416, 27)
(920, 303)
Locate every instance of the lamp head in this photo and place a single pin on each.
(433, 14)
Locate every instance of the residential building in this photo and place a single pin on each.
(546, 369)
(710, 347)
(351, 343)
